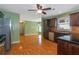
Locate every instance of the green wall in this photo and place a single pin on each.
(31, 28)
(15, 24)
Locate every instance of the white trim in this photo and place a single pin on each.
(11, 43)
(30, 34)
(15, 42)
(34, 20)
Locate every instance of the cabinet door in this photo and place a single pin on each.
(59, 47)
(74, 49)
(51, 22)
(62, 47)
(45, 29)
(74, 19)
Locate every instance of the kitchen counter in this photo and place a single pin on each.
(74, 38)
(68, 44)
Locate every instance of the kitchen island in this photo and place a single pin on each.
(68, 44)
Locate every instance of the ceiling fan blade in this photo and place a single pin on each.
(44, 12)
(53, 9)
(38, 6)
(46, 9)
(32, 10)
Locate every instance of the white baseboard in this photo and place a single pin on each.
(15, 42)
(11, 43)
(30, 34)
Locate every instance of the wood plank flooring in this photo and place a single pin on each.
(29, 45)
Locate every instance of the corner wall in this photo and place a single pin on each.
(14, 17)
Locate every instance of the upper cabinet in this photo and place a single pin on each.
(48, 24)
(74, 19)
(51, 22)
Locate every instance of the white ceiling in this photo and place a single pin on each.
(24, 14)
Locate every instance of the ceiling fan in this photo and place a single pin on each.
(40, 9)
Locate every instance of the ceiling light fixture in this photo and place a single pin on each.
(39, 11)
(21, 21)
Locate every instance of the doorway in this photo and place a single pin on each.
(22, 25)
(31, 32)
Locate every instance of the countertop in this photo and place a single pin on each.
(74, 38)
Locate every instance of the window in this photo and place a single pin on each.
(64, 23)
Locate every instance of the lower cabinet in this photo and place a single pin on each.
(66, 48)
(74, 49)
(62, 47)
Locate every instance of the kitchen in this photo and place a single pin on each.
(60, 31)
(64, 30)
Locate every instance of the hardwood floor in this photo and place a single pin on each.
(29, 45)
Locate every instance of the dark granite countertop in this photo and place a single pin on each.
(70, 38)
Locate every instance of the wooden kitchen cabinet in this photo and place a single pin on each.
(45, 29)
(74, 19)
(67, 48)
(48, 24)
(63, 48)
(74, 48)
(52, 22)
